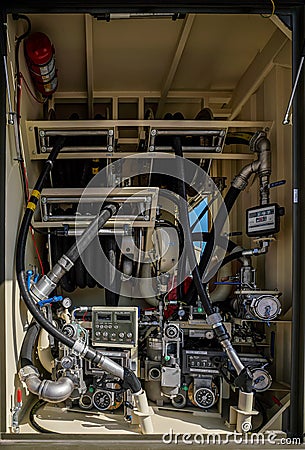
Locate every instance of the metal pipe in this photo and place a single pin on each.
(163, 148)
(75, 133)
(79, 148)
(180, 132)
(77, 218)
(103, 231)
(8, 89)
(241, 180)
(232, 355)
(83, 199)
(50, 391)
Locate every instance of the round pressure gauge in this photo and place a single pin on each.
(261, 379)
(102, 400)
(66, 302)
(265, 307)
(204, 397)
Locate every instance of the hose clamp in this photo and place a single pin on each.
(27, 371)
(79, 348)
(65, 263)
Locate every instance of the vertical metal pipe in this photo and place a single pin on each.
(3, 405)
(298, 250)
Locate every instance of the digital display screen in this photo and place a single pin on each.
(123, 317)
(104, 316)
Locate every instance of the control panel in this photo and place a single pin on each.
(114, 326)
(200, 361)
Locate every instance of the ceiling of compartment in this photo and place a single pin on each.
(206, 53)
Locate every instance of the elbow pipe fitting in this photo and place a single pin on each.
(50, 391)
(241, 180)
(259, 144)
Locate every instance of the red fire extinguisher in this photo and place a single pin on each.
(39, 54)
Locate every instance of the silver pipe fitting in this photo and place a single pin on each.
(259, 144)
(46, 285)
(241, 180)
(111, 367)
(50, 391)
(232, 355)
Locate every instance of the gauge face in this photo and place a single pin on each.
(261, 380)
(204, 397)
(102, 400)
(267, 307)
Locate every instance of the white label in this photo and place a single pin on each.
(295, 196)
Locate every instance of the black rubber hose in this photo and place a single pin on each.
(230, 198)
(31, 206)
(231, 257)
(129, 378)
(21, 246)
(86, 238)
(30, 338)
(33, 422)
(184, 217)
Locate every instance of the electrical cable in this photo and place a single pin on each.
(21, 77)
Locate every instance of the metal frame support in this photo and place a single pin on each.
(295, 8)
(298, 250)
(3, 119)
(89, 62)
(185, 32)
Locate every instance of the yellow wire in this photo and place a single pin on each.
(272, 13)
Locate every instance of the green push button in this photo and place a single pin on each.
(167, 358)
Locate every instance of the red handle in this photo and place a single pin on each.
(19, 395)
